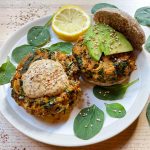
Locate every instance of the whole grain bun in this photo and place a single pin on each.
(125, 79)
(124, 23)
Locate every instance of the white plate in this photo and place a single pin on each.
(62, 134)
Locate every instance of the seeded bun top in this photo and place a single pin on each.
(123, 23)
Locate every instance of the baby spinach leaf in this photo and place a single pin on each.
(115, 110)
(65, 47)
(7, 70)
(39, 35)
(20, 52)
(88, 122)
(147, 44)
(142, 15)
(100, 6)
(113, 92)
(148, 113)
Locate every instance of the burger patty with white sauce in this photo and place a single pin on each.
(46, 84)
(106, 54)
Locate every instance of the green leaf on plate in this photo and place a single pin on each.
(65, 47)
(147, 44)
(38, 36)
(148, 113)
(113, 92)
(142, 15)
(20, 52)
(115, 110)
(100, 6)
(88, 122)
(7, 70)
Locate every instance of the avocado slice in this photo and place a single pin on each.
(91, 40)
(103, 38)
(115, 43)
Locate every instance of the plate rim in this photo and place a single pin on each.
(70, 144)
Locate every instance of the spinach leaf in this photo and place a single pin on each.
(142, 15)
(148, 113)
(65, 47)
(88, 122)
(7, 70)
(100, 6)
(113, 92)
(147, 44)
(20, 52)
(115, 110)
(39, 35)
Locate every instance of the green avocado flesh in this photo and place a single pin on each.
(103, 38)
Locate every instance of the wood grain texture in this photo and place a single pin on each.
(14, 14)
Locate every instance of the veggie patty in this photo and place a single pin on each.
(54, 106)
(108, 70)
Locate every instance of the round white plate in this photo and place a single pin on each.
(62, 134)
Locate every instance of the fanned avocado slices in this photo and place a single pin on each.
(103, 38)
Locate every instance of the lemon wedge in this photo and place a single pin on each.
(70, 22)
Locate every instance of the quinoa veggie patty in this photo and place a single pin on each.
(109, 70)
(51, 106)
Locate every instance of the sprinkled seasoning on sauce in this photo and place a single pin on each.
(44, 77)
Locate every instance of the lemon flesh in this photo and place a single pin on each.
(70, 22)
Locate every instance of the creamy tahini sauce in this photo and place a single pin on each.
(44, 77)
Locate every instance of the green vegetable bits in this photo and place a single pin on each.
(88, 122)
(113, 92)
(65, 47)
(115, 110)
(100, 6)
(7, 70)
(20, 52)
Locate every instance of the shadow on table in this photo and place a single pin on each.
(114, 143)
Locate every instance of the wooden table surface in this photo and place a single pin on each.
(14, 14)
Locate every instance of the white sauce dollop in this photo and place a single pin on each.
(44, 77)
